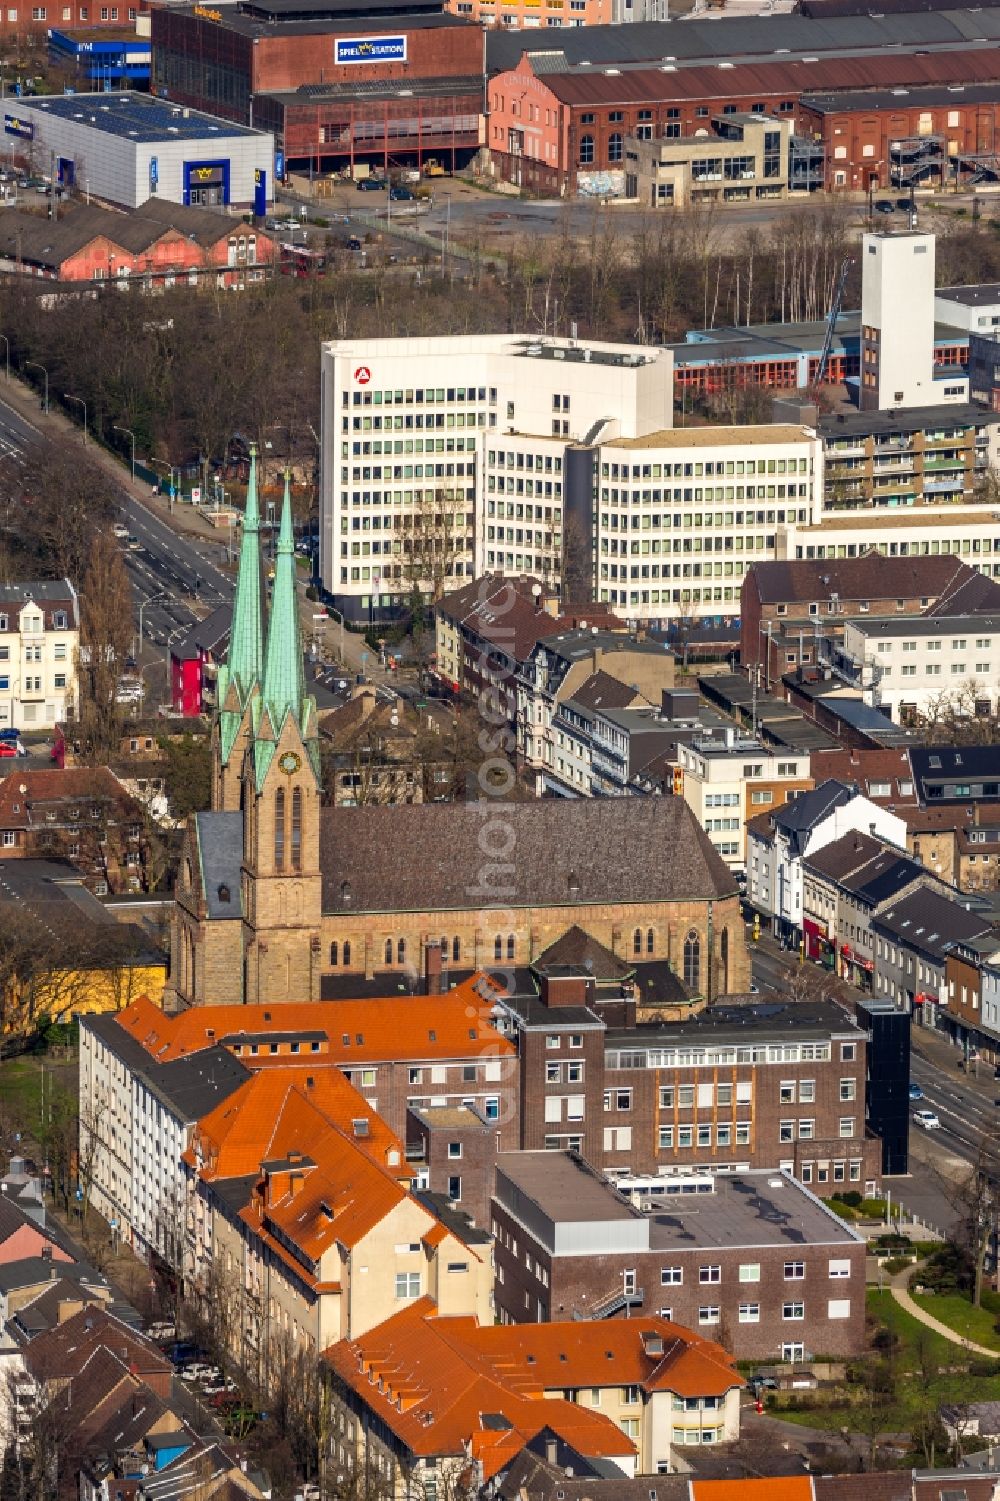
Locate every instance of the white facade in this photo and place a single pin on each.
(774, 864)
(682, 516)
(124, 148)
(472, 419)
(39, 640)
(918, 663)
(727, 782)
(132, 1132)
(970, 533)
(897, 320)
(975, 309)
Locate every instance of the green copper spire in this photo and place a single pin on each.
(244, 664)
(284, 680)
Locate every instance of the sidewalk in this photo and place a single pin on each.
(56, 427)
(899, 1287)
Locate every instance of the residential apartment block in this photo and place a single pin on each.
(778, 844)
(299, 1210)
(784, 606)
(136, 1118)
(752, 1259)
(727, 781)
(39, 642)
(422, 1397)
(930, 456)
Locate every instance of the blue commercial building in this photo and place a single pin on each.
(103, 60)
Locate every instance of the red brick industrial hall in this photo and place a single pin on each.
(563, 107)
(388, 83)
(337, 83)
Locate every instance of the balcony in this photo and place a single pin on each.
(944, 486)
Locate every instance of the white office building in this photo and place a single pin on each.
(443, 458)
(907, 667)
(897, 325)
(681, 515)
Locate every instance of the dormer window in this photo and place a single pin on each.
(59, 620)
(4, 623)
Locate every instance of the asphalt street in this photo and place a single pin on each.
(175, 580)
(939, 1159)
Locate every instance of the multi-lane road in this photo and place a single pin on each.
(174, 579)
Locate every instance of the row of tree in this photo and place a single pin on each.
(188, 371)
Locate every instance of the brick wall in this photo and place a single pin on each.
(565, 1286)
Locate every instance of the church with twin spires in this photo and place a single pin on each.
(277, 892)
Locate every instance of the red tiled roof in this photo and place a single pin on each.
(252, 1125)
(773, 1488)
(432, 1379)
(434, 1391)
(866, 767)
(453, 1025)
(505, 612)
(75, 784)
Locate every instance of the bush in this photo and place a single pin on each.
(897, 1263)
(949, 1270)
(984, 1368)
(851, 1197)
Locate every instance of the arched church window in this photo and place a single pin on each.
(637, 941)
(388, 951)
(334, 954)
(297, 829)
(456, 950)
(498, 947)
(401, 951)
(511, 945)
(347, 951)
(692, 961)
(279, 829)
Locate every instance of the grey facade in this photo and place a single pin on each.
(124, 148)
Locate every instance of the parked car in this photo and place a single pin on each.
(9, 733)
(883, 206)
(927, 1119)
(11, 748)
(370, 184)
(905, 204)
(400, 195)
(916, 1093)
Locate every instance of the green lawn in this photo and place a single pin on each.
(959, 1314)
(921, 1360)
(21, 1087)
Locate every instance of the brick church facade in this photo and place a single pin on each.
(278, 893)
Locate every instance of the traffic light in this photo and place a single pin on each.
(756, 926)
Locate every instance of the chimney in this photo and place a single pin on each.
(296, 1182)
(596, 656)
(433, 965)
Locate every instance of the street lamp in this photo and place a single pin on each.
(129, 434)
(169, 468)
(33, 365)
(6, 343)
(68, 397)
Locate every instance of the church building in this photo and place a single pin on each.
(280, 898)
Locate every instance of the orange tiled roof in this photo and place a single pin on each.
(452, 1025)
(434, 1390)
(431, 1379)
(252, 1125)
(340, 1198)
(773, 1488)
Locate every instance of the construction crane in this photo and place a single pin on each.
(831, 323)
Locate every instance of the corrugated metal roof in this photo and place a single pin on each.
(777, 79)
(690, 42)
